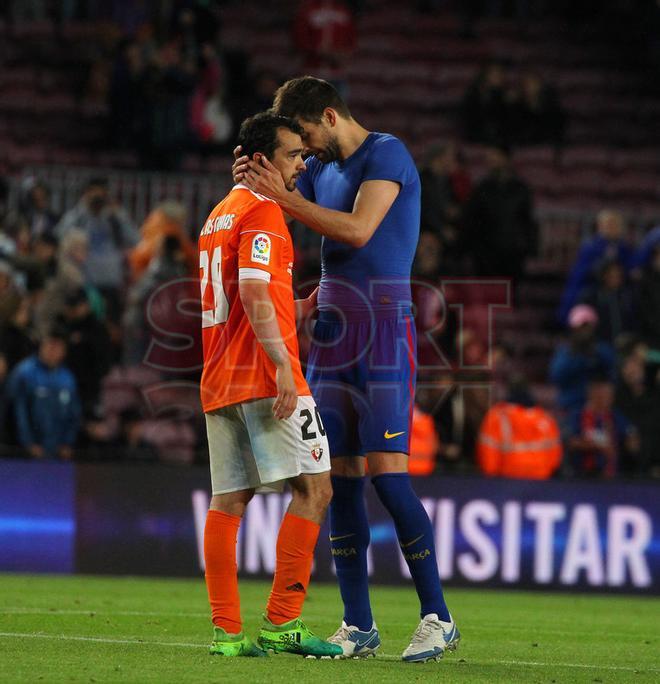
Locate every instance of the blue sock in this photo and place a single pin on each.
(349, 539)
(415, 534)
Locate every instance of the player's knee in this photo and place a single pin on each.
(348, 466)
(316, 493)
(324, 494)
(233, 503)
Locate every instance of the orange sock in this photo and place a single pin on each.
(220, 534)
(295, 553)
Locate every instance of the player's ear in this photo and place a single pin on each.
(330, 116)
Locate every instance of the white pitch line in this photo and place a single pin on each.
(66, 637)
(537, 633)
(382, 656)
(99, 611)
(138, 613)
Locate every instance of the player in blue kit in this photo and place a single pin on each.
(361, 191)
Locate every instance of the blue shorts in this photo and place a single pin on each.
(361, 372)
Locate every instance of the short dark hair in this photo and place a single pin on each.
(600, 377)
(306, 98)
(57, 331)
(259, 132)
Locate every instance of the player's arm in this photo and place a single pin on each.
(260, 310)
(373, 201)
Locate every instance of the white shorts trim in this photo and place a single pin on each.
(250, 449)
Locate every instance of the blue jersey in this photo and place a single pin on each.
(361, 365)
(379, 272)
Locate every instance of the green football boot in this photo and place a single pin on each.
(234, 645)
(295, 637)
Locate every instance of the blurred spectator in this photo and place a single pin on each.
(110, 234)
(613, 301)
(608, 243)
(16, 340)
(445, 188)
(168, 219)
(645, 250)
(118, 437)
(648, 304)
(89, 353)
(10, 294)
(427, 256)
(4, 404)
(600, 433)
(125, 93)
(44, 401)
(485, 109)
(262, 92)
(423, 443)
(639, 402)
(579, 361)
(211, 119)
(459, 414)
(95, 97)
(499, 222)
(198, 22)
(168, 86)
(72, 275)
(502, 366)
(324, 33)
(458, 418)
(38, 263)
(7, 246)
(44, 263)
(435, 321)
(518, 439)
(34, 216)
(142, 315)
(130, 15)
(4, 199)
(537, 116)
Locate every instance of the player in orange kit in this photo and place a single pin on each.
(263, 426)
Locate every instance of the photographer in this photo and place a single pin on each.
(110, 234)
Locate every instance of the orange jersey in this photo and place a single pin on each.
(245, 237)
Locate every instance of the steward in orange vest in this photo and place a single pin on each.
(424, 444)
(519, 442)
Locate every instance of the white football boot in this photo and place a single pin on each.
(431, 639)
(354, 642)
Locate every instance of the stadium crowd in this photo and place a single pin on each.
(94, 309)
(84, 295)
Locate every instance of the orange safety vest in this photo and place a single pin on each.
(519, 442)
(424, 444)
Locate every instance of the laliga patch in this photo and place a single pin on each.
(261, 249)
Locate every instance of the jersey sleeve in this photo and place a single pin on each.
(263, 236)
(389, 160)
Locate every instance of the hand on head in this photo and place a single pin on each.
(239, 167)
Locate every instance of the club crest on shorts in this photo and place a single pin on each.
(317, 452)
(261, 249)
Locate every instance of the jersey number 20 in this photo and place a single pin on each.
(220, 311)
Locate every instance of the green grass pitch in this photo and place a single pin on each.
(83, 629)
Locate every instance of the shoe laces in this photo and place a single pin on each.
(340, 635)
(424, 630)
